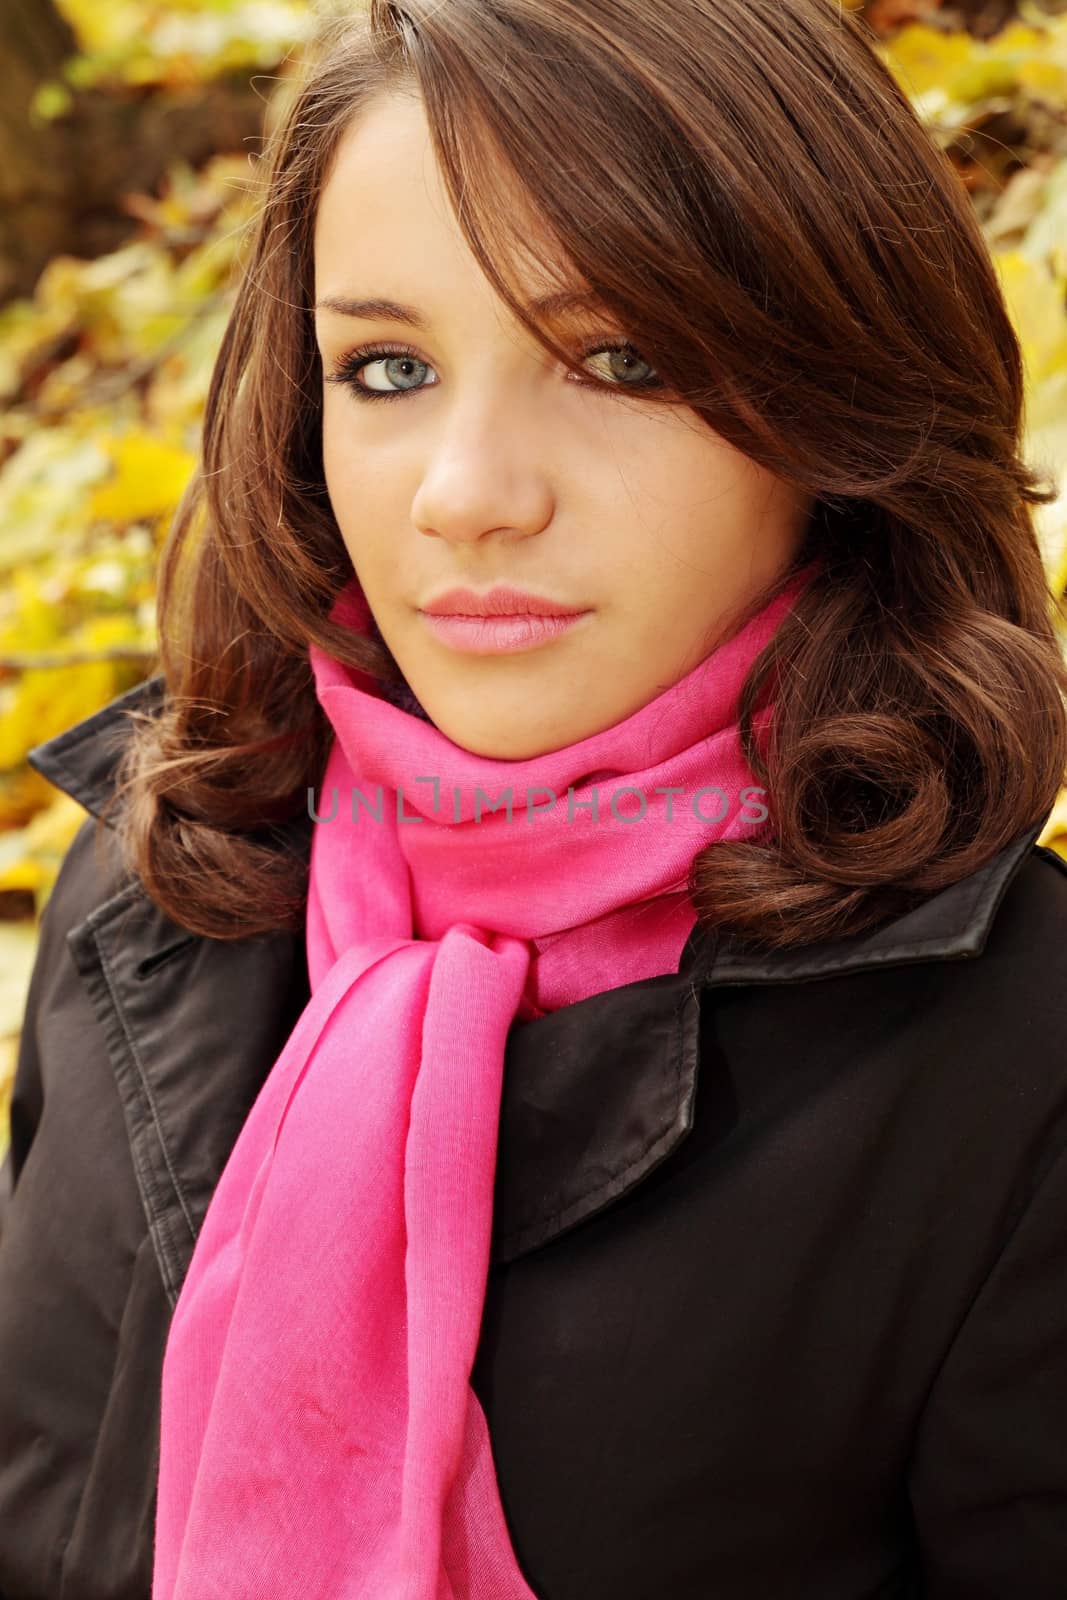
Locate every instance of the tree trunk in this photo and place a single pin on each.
(61, 182)
(33, 179)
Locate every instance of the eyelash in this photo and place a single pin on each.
(349, 367)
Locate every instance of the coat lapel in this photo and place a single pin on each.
(191, 1027)
(595, 1095)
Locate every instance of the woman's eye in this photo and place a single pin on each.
(389, 374)
(380, 374)
(625, 367)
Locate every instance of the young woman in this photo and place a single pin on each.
(555, 1086)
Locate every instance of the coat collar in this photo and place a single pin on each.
(596, 1094)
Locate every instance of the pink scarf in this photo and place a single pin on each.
(319, 1435)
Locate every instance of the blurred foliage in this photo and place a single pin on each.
(178, 42)
(104, 371)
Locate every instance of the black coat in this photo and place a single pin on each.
(777, 1307)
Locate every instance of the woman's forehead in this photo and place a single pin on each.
(385, 189)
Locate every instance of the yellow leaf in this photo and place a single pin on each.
(30, 856)
(1045, 78)
(1035, 301)
(1054, 833)
(45, 701)
(22, 794)
(926, 58)
(150, 478)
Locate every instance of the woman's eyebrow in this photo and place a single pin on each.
(382, 310)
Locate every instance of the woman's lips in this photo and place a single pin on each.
(490, 636)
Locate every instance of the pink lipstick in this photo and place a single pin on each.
(500, 621)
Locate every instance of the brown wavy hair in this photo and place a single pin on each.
(746, 186)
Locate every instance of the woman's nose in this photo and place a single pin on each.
(482, 481)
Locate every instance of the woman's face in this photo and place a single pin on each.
(465, 456)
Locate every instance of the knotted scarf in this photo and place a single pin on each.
(319, 1435)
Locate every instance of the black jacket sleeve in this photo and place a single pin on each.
(989, 1479)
